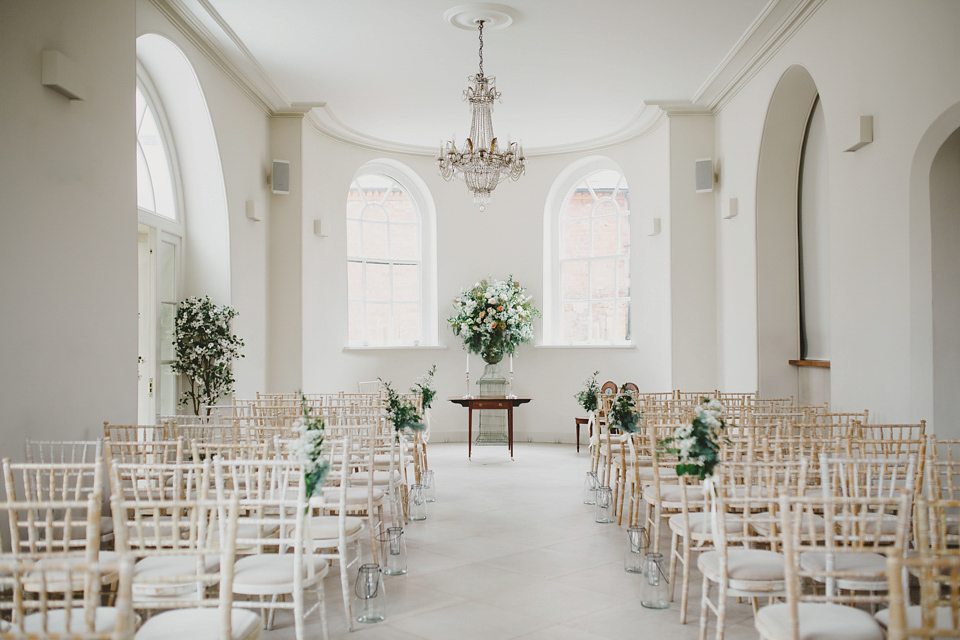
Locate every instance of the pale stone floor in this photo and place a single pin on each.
(509, 550)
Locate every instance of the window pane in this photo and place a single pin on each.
(355, 203)
(623, 278)
(399, 206)
(579, 204)
(575, 316)
(576, 239)
(404, 242)
(406, 320)
(168, 315)
(603, 327)
(605, 207)
(601, 279)
(378, 323)
(624, 235)
(377, 282)
(604, 236)
(374, 212)
(168, 271)
(374, 238)
(150, 140)
(354, 280)
(406, 282)
(574, 284)
(144, 186)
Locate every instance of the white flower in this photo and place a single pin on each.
(711, 419)
(713, 404)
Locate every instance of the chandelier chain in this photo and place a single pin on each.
(481, 48)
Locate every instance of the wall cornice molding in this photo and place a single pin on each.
(199, 21)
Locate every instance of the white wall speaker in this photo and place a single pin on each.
(280, 177)
(704, 175)
(318, 228)
(653, 226)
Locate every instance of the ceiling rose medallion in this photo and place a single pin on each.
(481, 162)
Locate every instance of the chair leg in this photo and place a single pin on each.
(685, 587)
(322, 606)
(704, 610)
(673, 562)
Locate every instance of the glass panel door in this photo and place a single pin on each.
(169, 272)
(146, 325)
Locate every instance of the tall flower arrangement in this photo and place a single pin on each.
(493, 318)
(697, 444)
(624, 413)
(205, 350)
(309, 449)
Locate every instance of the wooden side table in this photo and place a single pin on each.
(489, 402)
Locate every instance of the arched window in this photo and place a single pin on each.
(156, 189)
(591, 274)
(390, 280)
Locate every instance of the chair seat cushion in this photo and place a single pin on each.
(272, 572)
(674, 493)
(104, 620)
(56, 580)
(148, 573)
(355, 496)
(747, 569)
(700, 526)
(328, 527)
(380, 477)
(871, 567)
(199, 624)
(818, 621)
(944, 618)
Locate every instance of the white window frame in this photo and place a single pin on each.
(417, 191)
(557, 199)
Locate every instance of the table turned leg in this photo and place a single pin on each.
(469, 432)
(510, 428)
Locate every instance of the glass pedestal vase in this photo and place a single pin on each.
(492, 425)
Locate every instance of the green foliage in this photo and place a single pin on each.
(205, 350)
(623, 412)
(697, 444)
(424, 386)
(403, 413)
(589, 396)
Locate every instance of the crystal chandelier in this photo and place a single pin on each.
(480, 161)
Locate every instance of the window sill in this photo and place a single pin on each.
(810, 363)
(584, 346)
(409, 347)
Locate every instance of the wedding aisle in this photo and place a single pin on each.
(509, 551)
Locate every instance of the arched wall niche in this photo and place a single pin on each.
(935, 274)
(778, 170)
(206, 248)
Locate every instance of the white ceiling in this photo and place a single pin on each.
(570, 71)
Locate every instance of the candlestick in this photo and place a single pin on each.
(468, 363)
(467, 394)
(511, 363)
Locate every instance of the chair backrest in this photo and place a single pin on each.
(868, 476)
(135, 432)
(136, 483)
(147, 451)
(48, 608)
(42, 482)
(54, 528)
(938, 526)
(939, 607)
(187, 534)
(608, 388)
(249, 450)
(62, 450)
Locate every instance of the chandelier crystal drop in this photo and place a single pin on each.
(481, 162)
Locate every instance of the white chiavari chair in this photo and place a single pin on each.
(186, 557)
(852, 524)
(71, 451)
(275, 535)
(937, 615)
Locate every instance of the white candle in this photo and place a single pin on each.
(511, 363)
(468, 362)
